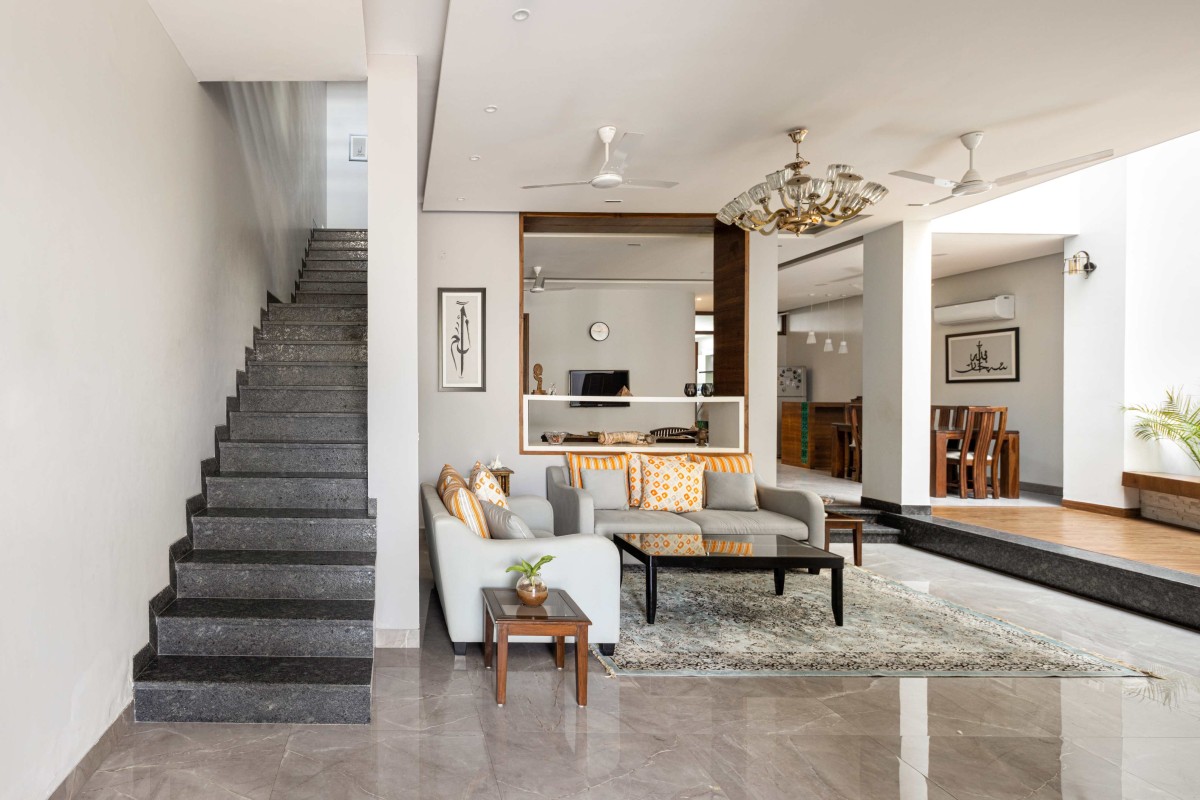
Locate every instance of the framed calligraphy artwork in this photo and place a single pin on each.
(462, 366)
(983, 356)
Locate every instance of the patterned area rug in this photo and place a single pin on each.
(732, 623)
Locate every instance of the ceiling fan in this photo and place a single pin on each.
(612, 171)
(539, 284)
(974, 183)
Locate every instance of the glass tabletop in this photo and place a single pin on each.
(506, 605)
(755, 545)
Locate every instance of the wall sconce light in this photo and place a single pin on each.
(1080, 262)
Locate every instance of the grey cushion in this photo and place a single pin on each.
(609, 488)
(504, 524)
(636, 520)
(745, 522)
(730, 491)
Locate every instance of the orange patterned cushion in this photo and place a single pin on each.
(676, 486)
(667, 544)
(448, 477)
(635, 474)
(486, 487)
(737, 463)
(463, 504)
(576, 463)
(721, 547)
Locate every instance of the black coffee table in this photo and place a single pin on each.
(733, 552)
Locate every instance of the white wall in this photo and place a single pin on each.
(832, 377)
(652, 334)
(138, 251)
(346, 180)
(763, 367)
(392, 402)
(1035, 402)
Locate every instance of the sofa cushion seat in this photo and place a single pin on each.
(636, 520)
(716, 523)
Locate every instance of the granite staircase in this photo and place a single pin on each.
(269, 615)
(874, 532)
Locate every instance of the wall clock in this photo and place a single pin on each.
(599, 331)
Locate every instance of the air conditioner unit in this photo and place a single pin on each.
(997, 308)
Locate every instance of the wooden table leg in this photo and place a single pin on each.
(581, 664)
(488, 632)
(937, 465)
(837, 595)
(837, 465)
(501, 663)
(858, 541)
(560, 648)
(1010, 476)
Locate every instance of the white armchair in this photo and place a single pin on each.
(587, 567)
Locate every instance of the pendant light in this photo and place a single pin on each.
(812, 334)
(828, 348)
(842, 348)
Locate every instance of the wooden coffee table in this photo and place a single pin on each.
(841, 522)
(505, 615)
(732, 552)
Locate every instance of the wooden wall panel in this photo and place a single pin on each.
(731, 282)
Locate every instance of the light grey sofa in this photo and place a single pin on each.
(795, 513)
(587, 567)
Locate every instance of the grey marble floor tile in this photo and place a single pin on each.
(355, 763)
(598, 765)
(789, 767)
(1169, 764)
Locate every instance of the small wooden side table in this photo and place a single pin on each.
(505, 615)
(502, 474)
(841, 522)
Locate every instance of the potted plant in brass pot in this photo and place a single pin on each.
(530, 586)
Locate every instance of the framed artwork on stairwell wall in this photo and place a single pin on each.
(358, 147)
(462, 365)
(983, 356)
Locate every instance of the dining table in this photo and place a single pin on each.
(1008, 450)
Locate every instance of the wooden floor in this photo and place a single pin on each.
(1134, 539)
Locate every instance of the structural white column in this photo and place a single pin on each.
(763, 354)
(897, 300)
(392, 336)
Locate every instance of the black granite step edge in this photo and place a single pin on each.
(191, 671)
(238, 559)
(1164, 594)
(886, 536)
(284, 513)
(356, 613)
(303, 414)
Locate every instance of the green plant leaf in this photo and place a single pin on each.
(1176, 420)
(518, 568)
(541, 561)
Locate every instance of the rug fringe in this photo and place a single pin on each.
(609, 670)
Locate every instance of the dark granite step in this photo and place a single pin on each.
(256, 490)
(310, 351)
(345, 254)
(300, 628)
(358, 276)
(341, 267)
(332, 299)
(283, 529)
(295, 312)
(294, 373)
(249, 456)
(309, 691)
(338, 244)
(313, 331)
(302, 398)
(336, 286)
(854, 511)
(331, 234)
(274, 426)
(283, 574)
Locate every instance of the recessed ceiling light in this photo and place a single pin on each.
(521, 14)
(474, 158)
(939, 255)
(614, 201)
(460, 199)
(490, 109)
(633, 244)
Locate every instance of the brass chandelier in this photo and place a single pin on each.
(807, 202)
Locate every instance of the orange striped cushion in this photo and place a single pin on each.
(736, 463)
(667, 544)
(721, 547)
(448, 477)
(486, 486)
(463, 504)
(576, 463)
(635, 474)
(676, 486)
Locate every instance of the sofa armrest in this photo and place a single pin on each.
(574, 511)
(586, 567)
(798, 504)
(536, 511)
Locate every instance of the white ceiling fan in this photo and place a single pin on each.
(539, 284)
(974, 183)
(612, 171)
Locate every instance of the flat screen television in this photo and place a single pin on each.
(598, 383)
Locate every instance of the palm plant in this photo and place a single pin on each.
(1176, 420)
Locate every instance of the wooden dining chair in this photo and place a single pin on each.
(854, 417)
(978, 462)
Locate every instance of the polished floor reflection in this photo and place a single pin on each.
(437, 732)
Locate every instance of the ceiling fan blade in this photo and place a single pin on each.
(619, 157)
(649, 184)
(552, 185)
(932, 202)
(1061, 165)
(945, 183)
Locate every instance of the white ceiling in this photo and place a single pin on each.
(884, 88)
(840, 273)
(267, 40)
